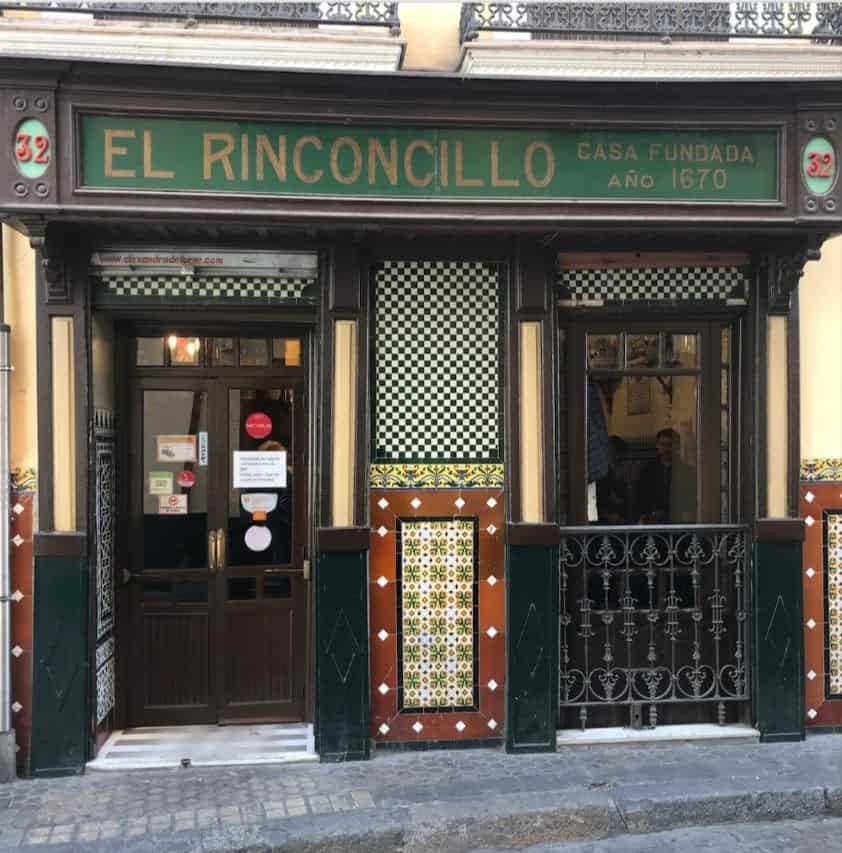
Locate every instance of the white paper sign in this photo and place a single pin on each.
(260, 469)
(203, 449)
(176, 448)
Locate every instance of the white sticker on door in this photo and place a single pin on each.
(203, 449)
(172, 504)
(258, 538)
(260, 469)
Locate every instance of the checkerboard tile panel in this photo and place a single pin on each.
(207, 288)
(685, 284)
(437, 362)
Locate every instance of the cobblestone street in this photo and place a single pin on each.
(435, 801)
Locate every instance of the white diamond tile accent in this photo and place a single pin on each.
(17, 540)
(383, 634)
(417, 727)
(811, 623)
(811, 674)
(492, 580)
(381, 581)
(382, 531)
(383, 503)
(809, 497)
(492, 632)
(491, 529)
(383, 688)
(812, 713)
(17, 651)
(810, 572)
(493, 685)
(17, 595)
(492, 724)
(460, 726)
(384, 729)
(16, 706)
(415, 503)
(491, 503)
(459, 503)
(809, 521)
(17, 509)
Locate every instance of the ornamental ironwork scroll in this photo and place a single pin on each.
(653, 616)
(821, 22)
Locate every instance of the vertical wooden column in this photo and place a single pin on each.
(342, 698)
(61, 714)
(778, 648)
(532, 532)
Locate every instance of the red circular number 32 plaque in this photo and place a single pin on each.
(258, 425)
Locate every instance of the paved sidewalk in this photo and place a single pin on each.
(454, 801)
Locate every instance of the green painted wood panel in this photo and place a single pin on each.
(342, 712)
(532, 645)
(60, 699)
(778, 641)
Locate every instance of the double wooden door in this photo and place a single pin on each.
(218, 535)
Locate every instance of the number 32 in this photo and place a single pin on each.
(23, 149)
(821, 165)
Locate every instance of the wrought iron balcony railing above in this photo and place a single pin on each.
(819, 22)
(286, 14)
(653, 617)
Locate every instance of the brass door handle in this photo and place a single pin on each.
(212, 551)
(220, 550)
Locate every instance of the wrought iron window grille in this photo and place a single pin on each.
(818, 22)
(281, 14)
(653, 616)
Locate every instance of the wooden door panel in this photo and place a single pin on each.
(177, 675)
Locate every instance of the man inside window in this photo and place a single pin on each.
(666, 487)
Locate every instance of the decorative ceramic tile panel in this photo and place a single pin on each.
(833, 600)
(436, 575)
(249, 289)
(653, 284)
(821, 470)
(436, 476)
(437, 362)
(437, 628)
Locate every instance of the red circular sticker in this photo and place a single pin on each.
(258, 425)
(186, 479)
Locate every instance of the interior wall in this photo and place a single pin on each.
(820, 316)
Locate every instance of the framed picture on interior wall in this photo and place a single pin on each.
(639, 400)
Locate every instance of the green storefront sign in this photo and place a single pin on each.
(192, 155)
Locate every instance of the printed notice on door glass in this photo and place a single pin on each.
(172, 504)
(260, 469)
(176, 448)
(160, 482)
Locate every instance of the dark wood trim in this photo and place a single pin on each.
(532, 534)
(343, 539)
(649, 259)
(779, 530)
(759, 379)
(60, 544)
(793, 383)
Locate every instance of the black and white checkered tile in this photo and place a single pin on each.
(208, 288)
(437, 361)
(653, 284)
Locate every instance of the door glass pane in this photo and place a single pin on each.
(286, 352)
(642, 449)
(680, 351)
(222, 352)
(150, 352)
(184, 351)
(641, 350)
(604, 351)
(175, 484)
(260, 509)
(254, 352)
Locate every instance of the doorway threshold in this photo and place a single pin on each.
(206, 746)
(661, 734)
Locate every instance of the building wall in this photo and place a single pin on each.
(19, 313)
(431, 31)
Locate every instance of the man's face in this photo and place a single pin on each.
(664, 447)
